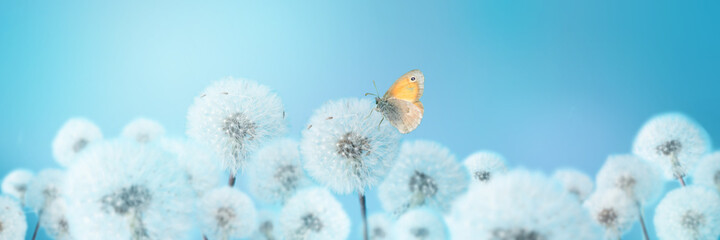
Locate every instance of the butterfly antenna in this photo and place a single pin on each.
(376, 90)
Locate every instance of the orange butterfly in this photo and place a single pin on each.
(401, 103)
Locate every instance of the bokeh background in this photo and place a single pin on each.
(546, 83)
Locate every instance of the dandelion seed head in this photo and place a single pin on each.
(575, 182)
(227, 213)
(345, 149)
(426, 174)
(672, 141)
(277, 172)
(707, 172)
(420, 224)
(520, 205)
(44, 189)
(268, 227)
(12, 219)
(54, 220)
(202, 168)
(379, 227)
(640, 180)
(688, 213)
(143, 130)
(16, 183)
(74, 137)
(121, 190)
(234, 117)
(314, 213)
(484, 165)
(612, 209)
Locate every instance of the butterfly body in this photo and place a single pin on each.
(401, 104)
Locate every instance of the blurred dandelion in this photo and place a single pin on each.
(54, 220)
(12, 219)
(277, 172)
(575, 182)
(16, 183)
(673, 142)
(484, 165)
(235, 117)
(380, 227)
(420, 224)
(201, 167)
(74, 137)
(143, 130)
(268, 227)
(226, 213)
(44, 189)
(314, 214)
(346, 150)
(612, 209)
(120, 190)
(689, 213)
(707, 172)
(426, 174)
(520, 205)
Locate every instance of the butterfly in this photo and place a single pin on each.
(401, 104)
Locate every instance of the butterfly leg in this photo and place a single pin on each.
(370, 114)
(381, 120)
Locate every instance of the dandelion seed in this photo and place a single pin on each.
(74, 137)
(45, 189)
(12, 219)
(484, 165)
(379, 227)
(143, 130)
(54, 220)
(268, 227)
(689, 213)
(235, 117)
(520, 205)
(16, 182)
(575, 182)
(420, 224)
(612, 209)
(707, 172)
(277, 172)
(119, 190)
(227, 213)
(200, 164)
(673, 142)
(426, 174)
(314, 213)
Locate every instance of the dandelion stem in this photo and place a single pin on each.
(231, 181)
(642, 221)
(37, 226)
(363, 213)
(204, 237)
(682, 181)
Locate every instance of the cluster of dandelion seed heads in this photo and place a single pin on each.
(672, 141)
(44, 189)
(234, 118)
(613, 210)
(641, 180)
(12, 219)
(345, 149)
(426, 174)
(227, 213)
(707, 172)
(420, 224)
(691, 212)
(314, 213)
(575, 182)
(143, 130)
(277, 172)
(16, 183)
(484, 165)
(74, 136)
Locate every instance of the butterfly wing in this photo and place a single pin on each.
(409, 86)
(401, 103)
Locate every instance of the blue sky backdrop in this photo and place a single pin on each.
(546, 83)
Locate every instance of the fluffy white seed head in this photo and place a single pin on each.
(521, 205)
(227, 213)
(16, 183)
(143, 130)
(641, 180)
(707, 172)
(426, 174)
(420, 224)
(54, 220)
(277, 172)
(380, 227)
(484, 165)
(614, 210)
(73, 138)
(234, 117)
(12, 219)
(575, 182)
(314, 214)
(121, 190)
(202, 168)
(688, 213)
(346, 150)
(46, 188)
(672, 141)
(267, 227)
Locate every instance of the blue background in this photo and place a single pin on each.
(546, 83)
